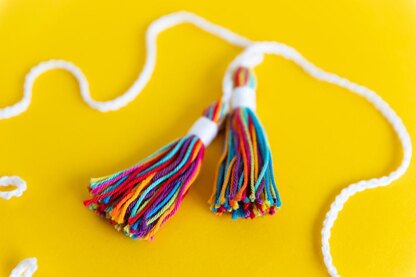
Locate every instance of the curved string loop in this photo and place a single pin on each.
(156, 27)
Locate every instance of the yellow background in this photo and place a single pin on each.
(322, 137)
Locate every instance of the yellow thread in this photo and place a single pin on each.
(187, 186)
(129, 199)
(135, 196)
(197, 148)
(256, 164)
(245, 169)
(162, 211)
(158, 224)
(142, 206)
(115, 213)
(250, 147)
(226, 181)
(222, 159)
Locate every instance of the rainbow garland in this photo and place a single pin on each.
(245, 184)
(139, 200)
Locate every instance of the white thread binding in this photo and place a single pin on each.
(25, 268)
(205, 129)
(252, 56)
(243, 97)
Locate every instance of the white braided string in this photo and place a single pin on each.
(251, 56)
(25, 268)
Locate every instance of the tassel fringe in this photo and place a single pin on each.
(139, 200)
(245, 185)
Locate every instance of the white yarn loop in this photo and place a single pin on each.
(14, 181)
(251, 57)
(25, 268)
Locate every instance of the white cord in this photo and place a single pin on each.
(251, 56)
(14, 181)
(25, 268)
(157, 27)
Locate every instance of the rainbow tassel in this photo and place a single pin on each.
(139, 200)
(245, 184)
